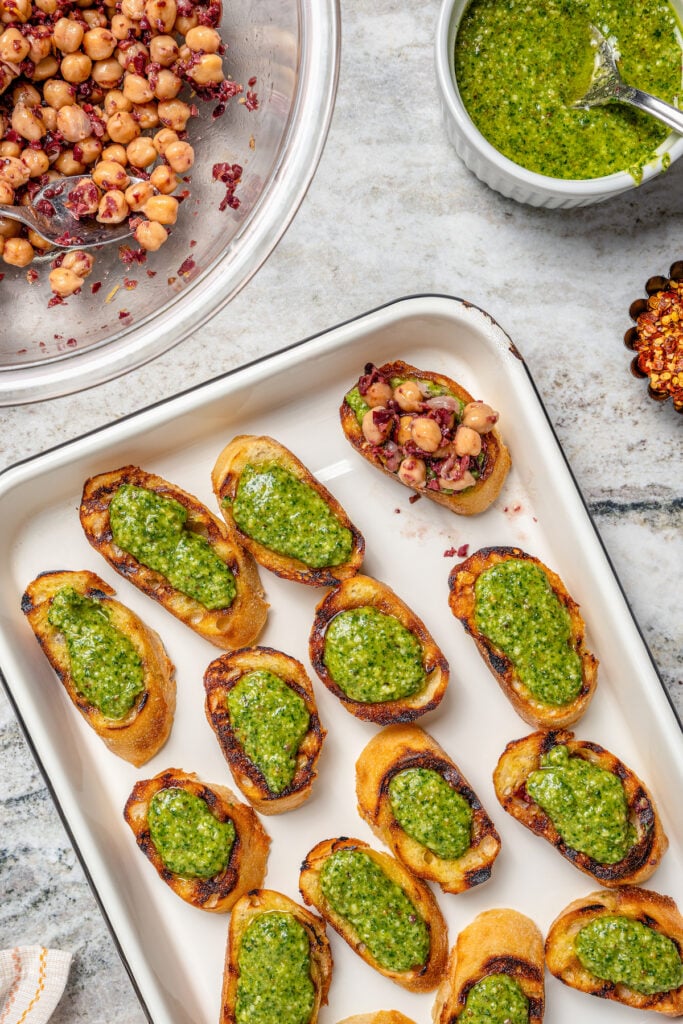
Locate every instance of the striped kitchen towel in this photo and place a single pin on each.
(32, 980)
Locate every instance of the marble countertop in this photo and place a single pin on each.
(393, 212)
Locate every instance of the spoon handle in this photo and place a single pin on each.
(671, 116)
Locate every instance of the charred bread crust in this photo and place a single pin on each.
(246, 866)
(497, 462)
(461, 582)
(522, 757)
(143, 731)
(230, 628)
(407, 746)
(378, 1017)
(265, 901)
(419, 979)
(500, 941)
(248, 449)
(643, 905)
(358, 592)
(221, 676)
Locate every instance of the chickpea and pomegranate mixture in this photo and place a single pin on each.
(92, 87)
(421, 432)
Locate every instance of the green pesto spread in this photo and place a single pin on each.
(377, 909)
(372, 657)
(627, 952)
(274, 961)
(152, 528)
(496, 999)
(190, 840)
(283, 513)
(357, 403)
(269, 720)
(105, 667)
(517, 609)
(431, 812)
(521, 64)
(586, 804)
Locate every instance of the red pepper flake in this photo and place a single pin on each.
(151, 273)
(186, 267)
(193, 242)
(129, 256)
(56, 300)
(129, 283)
(462, 551)
(171, 280)
(95, 287)
(251, 102)
(71, 343)
(413, 498)
(231, 176)
(252, 82)
(123, 314)
(31, 276)
(2, 277)
(450, 552)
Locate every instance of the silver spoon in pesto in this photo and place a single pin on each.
(607, 86)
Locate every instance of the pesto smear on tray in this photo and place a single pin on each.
(520, 64)
(274, 985)
(627, 952)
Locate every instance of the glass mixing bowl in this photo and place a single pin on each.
(291, 49)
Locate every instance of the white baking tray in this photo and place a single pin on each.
(174, 952)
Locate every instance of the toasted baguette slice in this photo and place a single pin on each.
(363, 591)
(378, 1017)
(522, 757)
(143, 731)
(496, 942)
(649, 908)
(246, 450)
(221, 676)
(246, 866)
(494, 456)
(230, 628)
(248, 909)
(407, 746)
(462, 580)
(421, 978)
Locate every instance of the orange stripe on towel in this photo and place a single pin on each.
(11, 995)
(41, 985)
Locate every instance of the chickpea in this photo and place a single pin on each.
(141, 152)
(174, 114)
(15, 10)
(479, 416)
(9, 149)
(378, 393)
(163, 179)
(64, 282)
(6, 76)
(137, 195)
(58, 93)
(26, 94)
(408, 396)
(167, 85)
(73, 123)
(80, 262)
(412, 472)
(133, 9)
(107, 73)
(40, 47)
(137, 89)
(203, 38)
(36, 162)
(122, 127)
(163, 139)
(208, 70)
(67, 163)
(184, 24)
(49, 118)
(89, 150)
(467, 442)
(113, 208)
(163, 209)
(47, 6)
(45, 68)
(6, 193)
(128, 57)
(108, 174)
(117, 153)
(94, 19)
(13, 46)
(38, 242)
(161, 14)
(150, 235)
(18, 252)
(426, 433)
(376, 429)
(28, 122)
(121, 26)
(68, 35)
(465, 481)
(180, 156)
(403, 434)
(163, 50)
(9, 228)
(146, 115)
(76, 68)
(115, 101)
(13, 171)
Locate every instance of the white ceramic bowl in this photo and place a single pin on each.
(291, 49)
(503, 174)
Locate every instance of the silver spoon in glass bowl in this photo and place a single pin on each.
(53, 214)
(607, 86)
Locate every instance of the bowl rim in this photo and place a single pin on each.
(294, 169)
(583, 189)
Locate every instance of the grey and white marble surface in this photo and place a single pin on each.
(393, 212)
